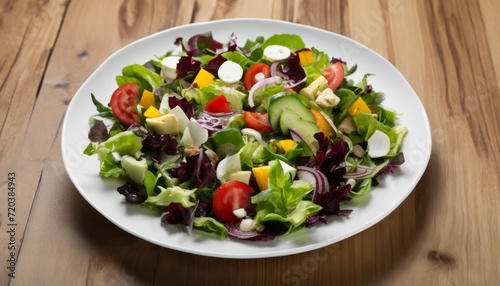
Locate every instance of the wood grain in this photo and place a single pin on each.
(26, 49)
(444, 233)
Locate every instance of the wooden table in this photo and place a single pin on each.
(445, 233)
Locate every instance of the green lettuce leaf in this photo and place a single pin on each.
(109, 167)
(284, 200)
(123, 143)
(211, 225)
(321, 60)
(247, 152)
(150, 181)
(291, 41)
(400, 131)
(347, 98)
(239, 58)
(251, 45)
(234, 97)
(170, 195)
(146, 78)
(366, 125)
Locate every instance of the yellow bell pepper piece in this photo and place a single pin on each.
(261, 175)
(305, 57)
(147, 99)
(287, 144)
(321, 122)
(152, 112)
(203, 78)
(359, 106)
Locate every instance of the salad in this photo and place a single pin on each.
(250, 142)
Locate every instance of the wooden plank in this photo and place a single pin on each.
(75, 243)
(459, 94)
(320, 14)
(12, 40)
(74, 59)
(25, 52)
(368, 23)
(489, 18)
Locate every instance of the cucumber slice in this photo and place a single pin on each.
(284, 100)
(306, 129)
(291, 120)
(135, 169)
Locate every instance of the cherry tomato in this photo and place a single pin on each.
(334, 74)
(124, 102)
(257, 121)
(231, 196)
(249, 78)
(218, 105)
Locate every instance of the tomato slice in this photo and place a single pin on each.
(334, 74)
(124, 102)
(249, 78)
(218, 105)
(231, 196)
(257, 121)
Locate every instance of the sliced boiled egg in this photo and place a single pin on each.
(276, 53)
(379, 144)
(169, 67)
(230, 72)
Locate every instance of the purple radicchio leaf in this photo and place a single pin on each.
(202, 171)
(335, 60)
(150, 66)
(183, 103)
(187, 66)
(293, 71)
(329, 158)
(314, 219)
(138, 129)
(177, 214)
(181, 172)
(368, 89)
(201, 43)
(98, 132)
(330, 203)
(394, 164)
(180, 42)
(132, 193)
(204, 207)
(165, 143)
(159, 91)
(232, 45)
(213, 65)
(196, 168)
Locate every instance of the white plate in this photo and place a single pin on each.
(367, 211)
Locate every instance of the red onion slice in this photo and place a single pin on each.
(362, 172)
(296, 135)
(234, 231)
(218, 114)
(292, 84)
(259, 84)
(315, 178)
(275, 70)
